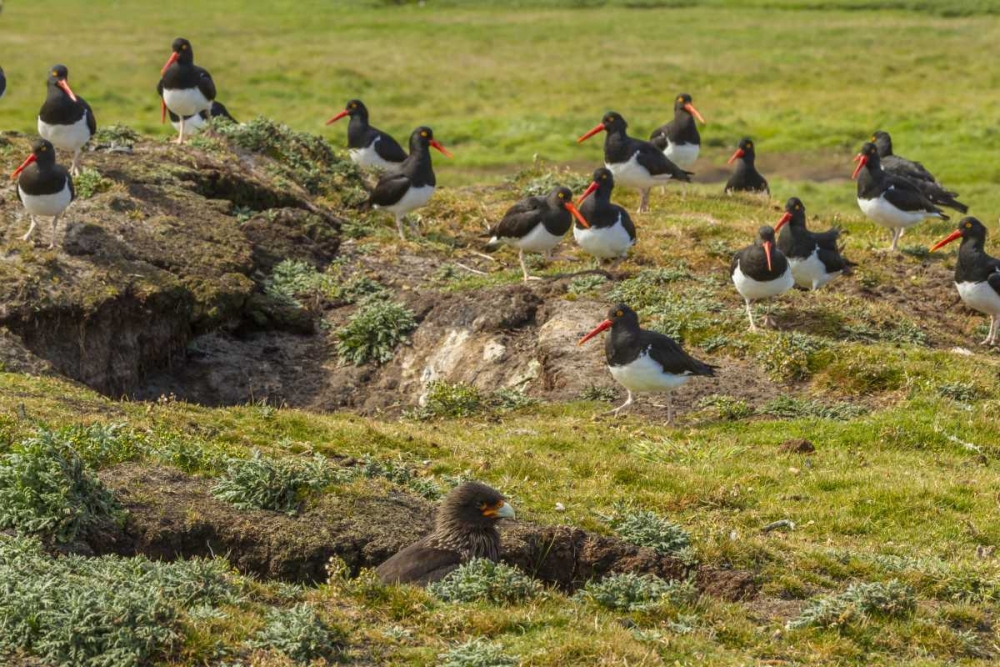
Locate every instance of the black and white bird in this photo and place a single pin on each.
(464, 529)
(3, 83)
(890, 201)
(645, 361)
(635, 163)
(536, 224)
(916, 172)
(813, 256)
(760, 273)
(610, 233)
(44, 187)
(679, 139)
(411, 185)
(977, 275)
(369, 146)
(65, 119)
(184, 88)
(197, 122)
(746, 178)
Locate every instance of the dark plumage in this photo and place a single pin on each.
(977, 274)
(369, 146)
(916, 172)
(65, 119)
(184, 88)
(198, 121)
(465, 528)
(611, 232)
(746, 178)
(3, 84)
(813, 256)
(679, 138)
(43, 187)
(761, 272)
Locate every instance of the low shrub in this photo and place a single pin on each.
(859, 602)
(648, 529)
(277, 484)
(300, 634)
(482, 580)
(373, 332)
(476, 653)
(634, 592)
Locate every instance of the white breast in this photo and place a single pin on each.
(604, 242)
(683, 155)
(755, 289)
(885, 214)
(370, 159)
(192, 125)
(633, 175)
(66, 137)
(186, 101)
(411, 201)
(46, 205)
(980, 296)
(810, 272)
(646, 374)
(537, 240)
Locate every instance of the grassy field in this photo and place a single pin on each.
(901, 492)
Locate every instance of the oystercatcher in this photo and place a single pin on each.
(813, 256)
(637, 164)
(645, 361)
(369, 146)
(184, 88)
(746, 178)
(464, 528)
(900, 166)
(760, 271)
(610, 233)
(44, 187)
(3, 84)
(977, 275)
(412, 184)
(197, 122)
(890, 201)
(536, 224)
(679, 139)
(65, 119)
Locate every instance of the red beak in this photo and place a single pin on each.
(946, 240)
(862, 161)
(436, 144)
(586, 193)
(337, 117)
(603, 326)
(170, 61)
(66, 89)
(694, 112)
(17, 172)
(767, 251)
(576, 214)
(784, 221)
(597, 128)
(736, 156)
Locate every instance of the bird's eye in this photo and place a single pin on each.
(354, 106)
(680, 99)
(619, 314)
(604, 177)
(562, 196)
(423, 134)
(968, 225)
(873, 138)
(184, 47)
(798, 207)
(55, 73)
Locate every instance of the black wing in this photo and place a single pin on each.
(657, 163)
(388, 148)
(91, 121)
(627, 222)
(899, 166)
(418, 564)
(390, 189)
(519, 219)
(665, 351)
(219, 110)
(994, 280)
(938, 195)
(827, 239)
(205, 84)
(159, 88)
(905, 196)
(736, 260)
(69, 181)
(659, 137)
(831, 259)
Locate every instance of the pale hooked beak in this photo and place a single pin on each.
(506, 511)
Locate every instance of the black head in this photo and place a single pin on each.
(473, 505)
(883, 142)
(56, 74)
(559, 197)
(622, 315)
(603, 182)
(765, 235)
(356, 108)
(681, 101)
(42, 153)
(613, 122)
(744, 151)
(969, 229)
(183, 49)
(867, 156)
(423, 137)
(795, 213)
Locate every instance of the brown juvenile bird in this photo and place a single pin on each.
(465, 528)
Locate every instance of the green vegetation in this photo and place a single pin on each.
(374, 331)
(477, 653)
(648, 529)
(300, 634)
(859, 603)
(632, 592)
(482, 580)
(267, 483)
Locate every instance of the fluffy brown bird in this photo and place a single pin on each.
(465, 528)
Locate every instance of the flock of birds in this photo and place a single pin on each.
(892, 191)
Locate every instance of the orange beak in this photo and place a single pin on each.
(694, 112)
(66, 89)
(597, 128)
(736, 156)
(174, 57)
(576, 214)
(957, 234)
(862, 161)
(337, 117)
(17, 172)
(444, 151)
(767, 252)
(586, 193)
(603, 326)
(784, 221)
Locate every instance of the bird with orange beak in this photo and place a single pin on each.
(746, 178)
(44, 187)
(645, 361)
(977, 275)
(679, 139)
(184, 88)
(761, 272)
(368, 146)
(65, 119)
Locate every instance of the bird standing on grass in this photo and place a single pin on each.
(761, 272)
(536, 224)
(916, 172)
(412, 184)
(635, 164)
(608, 232)
(369, 146)
(465, 528)
(645, 361)
(184, 88)
(65, 119)
(977, 275)
(746, 178)
(813, 256)
(679, 139)
(44, 187)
